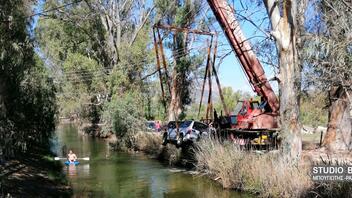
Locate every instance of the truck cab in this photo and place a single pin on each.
(243, 112)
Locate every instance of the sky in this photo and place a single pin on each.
(230, 72)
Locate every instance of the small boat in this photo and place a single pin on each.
(71, 163)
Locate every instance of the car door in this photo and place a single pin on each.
(171, 130)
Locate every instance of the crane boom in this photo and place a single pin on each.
(254, 71)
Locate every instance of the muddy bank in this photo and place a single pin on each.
(33, 175)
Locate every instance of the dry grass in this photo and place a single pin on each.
(267, 175)
(150, 144)
(147, 142)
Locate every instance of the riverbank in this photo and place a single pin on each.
(33, 174)
(150, 144)
(265, 175)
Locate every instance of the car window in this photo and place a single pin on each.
(200, 126)
(203, 126)
(185, 124)
(172, 124)
(151, 125)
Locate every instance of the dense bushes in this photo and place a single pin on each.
(30, 112)
(123, 114)
(27, 94)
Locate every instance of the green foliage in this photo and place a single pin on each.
(80, 56)
(230, 98)
(123, 114)
(27, 94)
(84, 79)
(192, 112)
(313, 109)
(153, 107)
(83, 72)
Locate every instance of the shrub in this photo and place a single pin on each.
(123, 114)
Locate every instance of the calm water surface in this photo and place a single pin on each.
(116, 174)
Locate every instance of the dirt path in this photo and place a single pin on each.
(33, 176)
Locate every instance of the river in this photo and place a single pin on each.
(117, 174)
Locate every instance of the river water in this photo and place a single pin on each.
(116, 174)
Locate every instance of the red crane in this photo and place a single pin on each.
(250, 115)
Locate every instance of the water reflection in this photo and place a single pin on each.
(111, 174)
(73, 170)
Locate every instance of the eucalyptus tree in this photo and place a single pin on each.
(180, 14)
(283, 18)
(328, 52)
(100, 51)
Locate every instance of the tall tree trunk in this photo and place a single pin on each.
(338, 134)
(175, 107)
(178, 77)
(284, 31)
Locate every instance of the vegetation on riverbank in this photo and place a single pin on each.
(268, 175)
(27, 111)
(27, 93)
(150, 144)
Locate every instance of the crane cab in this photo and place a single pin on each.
(243, 112)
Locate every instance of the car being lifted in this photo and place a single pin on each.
(186, 132)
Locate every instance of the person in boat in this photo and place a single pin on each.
(71, 156)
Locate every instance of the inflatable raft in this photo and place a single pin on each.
(71, 163)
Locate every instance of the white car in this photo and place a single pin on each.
(189, 131)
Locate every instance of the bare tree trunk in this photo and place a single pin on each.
(112, 25)
(175, 107)
(284, 31)
(179, 85)
(338, 134)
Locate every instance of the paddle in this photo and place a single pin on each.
(62, 158)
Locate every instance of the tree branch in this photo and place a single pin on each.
(272, 7)
(140, 27)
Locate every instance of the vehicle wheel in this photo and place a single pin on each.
(165, 139)
(179, 141)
